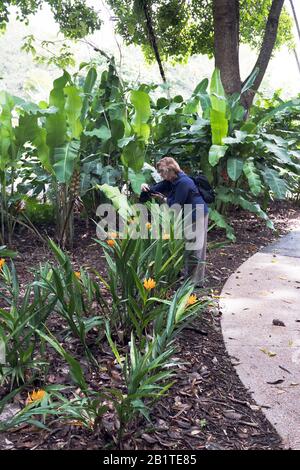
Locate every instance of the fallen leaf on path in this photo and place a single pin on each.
(269, 353)
(276, 382)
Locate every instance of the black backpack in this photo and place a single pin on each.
(205, 189)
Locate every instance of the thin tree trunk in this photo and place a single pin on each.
(297, 59)
(226, 43)
(295, 18)
(152, 37)
(266, 49)
(298, 31)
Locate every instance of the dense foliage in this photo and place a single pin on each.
(186, 28)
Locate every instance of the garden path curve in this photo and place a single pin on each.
(260, 306)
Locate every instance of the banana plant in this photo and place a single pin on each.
(18, 126)
(218, 118)
(137, 136)
(7, 159)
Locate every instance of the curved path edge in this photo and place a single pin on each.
(260, 305)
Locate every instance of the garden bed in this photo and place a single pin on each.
(207, 407)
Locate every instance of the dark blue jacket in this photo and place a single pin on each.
(181, 191)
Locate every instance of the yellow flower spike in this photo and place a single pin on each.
(191, 300)
(2, 263)
(110, 242)
(77, 274)
(166, 236)
(149, 283)
(35, 396)
(148, 225)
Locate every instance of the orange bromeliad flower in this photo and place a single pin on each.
(2, 263)
(110, 242)
(35, 396)
(149, 283)
(166, 236)
(77, 274)
(148, 225)
(191, 300)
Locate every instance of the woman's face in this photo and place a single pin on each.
(167, 174)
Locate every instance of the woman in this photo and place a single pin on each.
(180, 189)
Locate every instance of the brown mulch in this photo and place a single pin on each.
(208, 407)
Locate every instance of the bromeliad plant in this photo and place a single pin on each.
(20, 315)
(18, 128)
(74, 294)
(138, 267)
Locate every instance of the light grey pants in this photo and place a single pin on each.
(195, 260)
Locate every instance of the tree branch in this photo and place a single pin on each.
(266, 49)
(152, 37)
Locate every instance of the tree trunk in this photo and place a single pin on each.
(65, 217)
(152, 37)
(226, 43)
(266, 49)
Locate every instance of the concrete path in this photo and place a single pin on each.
(260, 303)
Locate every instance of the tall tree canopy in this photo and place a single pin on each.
(76, 20)
(213, 27)
(186, 27)
(175, 29)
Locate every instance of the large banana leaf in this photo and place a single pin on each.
(219, 126)
(43, 151)
(216, 152)
(64, 161)
(73, 107)
(201, 87)
(253, 178)
(117, 128)
(295, 103)
(217, 93)
(277, 185)
(141, 103)
(38, 110)
(5, 142)
(218, 112)
(136, 180)
(28, 130)
(88, 86)
(56, 124)
(103, 133)
(133, 155)
(234, 168)
(119, 201)
(240, 137)
(6, 130)
(281, 153)
(200, 94)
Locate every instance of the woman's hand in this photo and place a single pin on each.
(145, 187)
(159, 196)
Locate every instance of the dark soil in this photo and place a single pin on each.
(208, 407)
